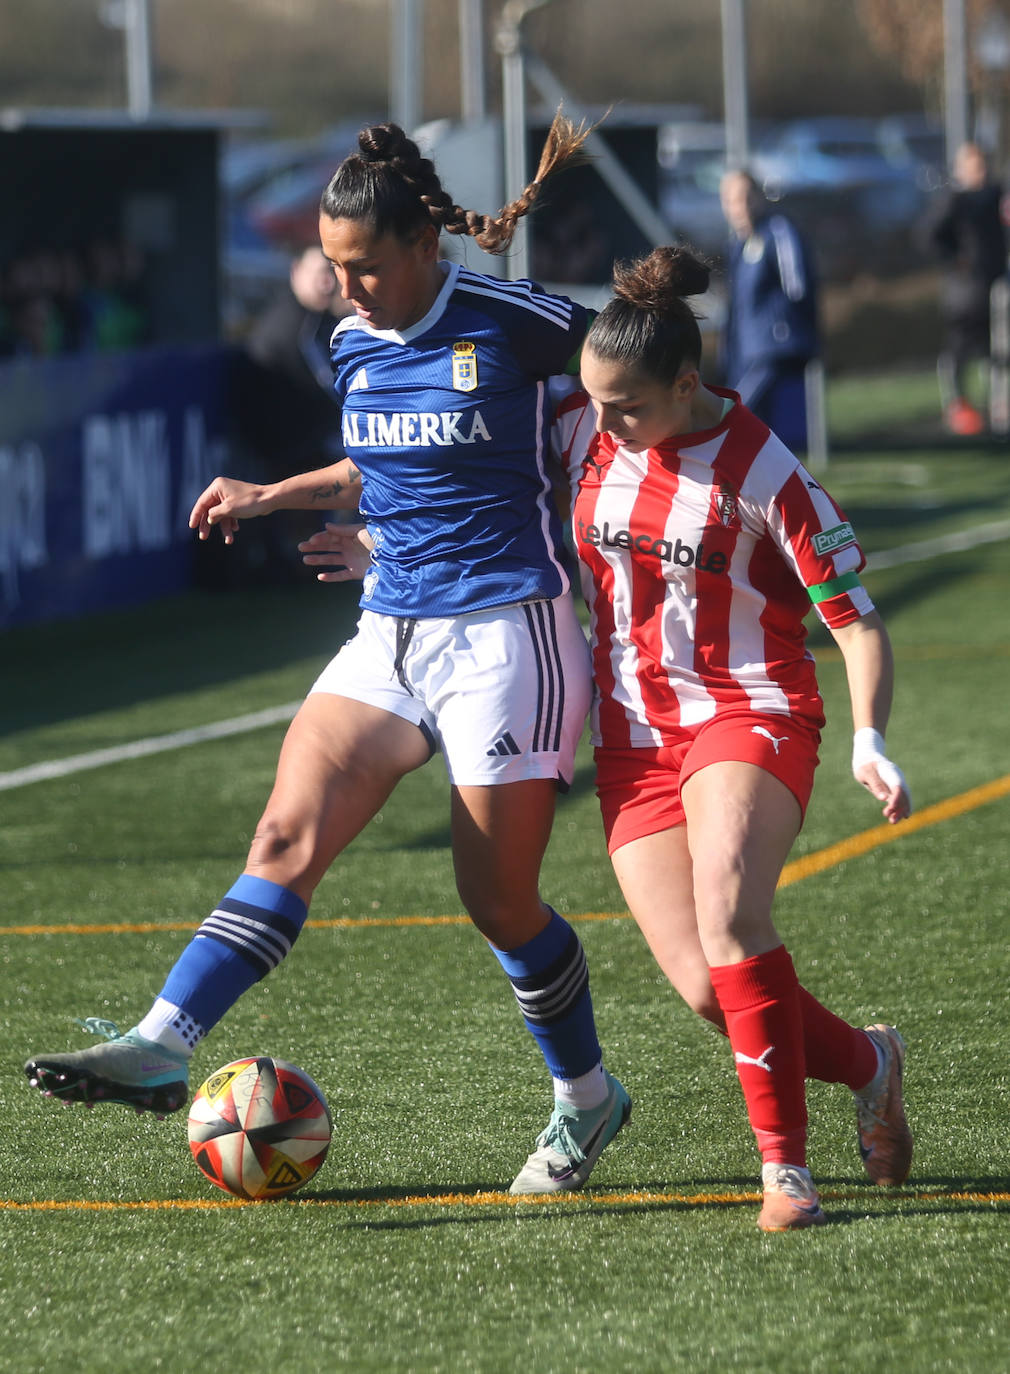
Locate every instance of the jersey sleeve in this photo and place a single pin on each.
(573, 428)
(545, 331)
(820, 545)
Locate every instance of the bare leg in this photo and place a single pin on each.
(657, 880)
(339, 762)
(499, 836)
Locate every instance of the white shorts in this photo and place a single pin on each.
(502, 692)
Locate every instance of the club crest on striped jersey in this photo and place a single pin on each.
(726, 505)
(464, 365)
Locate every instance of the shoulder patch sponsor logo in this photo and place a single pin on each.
(830, 541)
(464, 366)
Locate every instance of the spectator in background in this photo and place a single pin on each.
(771, 330)
(290, 346)
(58, 300)
(113, 314)
(968, 231)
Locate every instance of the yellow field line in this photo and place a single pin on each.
(499, 1199)
(793, 872)
(886, 834)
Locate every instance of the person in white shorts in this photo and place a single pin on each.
(468, 642)
(502, 693)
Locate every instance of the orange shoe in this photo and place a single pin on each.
(963, 418)
(885, 1142)
(790, 1199)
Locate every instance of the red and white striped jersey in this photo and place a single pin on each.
(700, 559)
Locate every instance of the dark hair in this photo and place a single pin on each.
(648, 325)
(390, 184)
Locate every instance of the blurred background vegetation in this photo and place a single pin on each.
(311, 63)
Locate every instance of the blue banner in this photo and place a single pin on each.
(101, 459)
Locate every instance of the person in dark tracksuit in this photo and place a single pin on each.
(967, 230)
(771, 330)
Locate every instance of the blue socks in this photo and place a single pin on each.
(246, 936)
(550, 979)
(257, 922)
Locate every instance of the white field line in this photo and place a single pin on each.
(946, 543)
(240, 725)
(155, 744)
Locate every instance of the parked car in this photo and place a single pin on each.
(916, 144)
(834, 151)
(271, 189)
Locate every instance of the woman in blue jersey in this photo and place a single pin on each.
(468, 641)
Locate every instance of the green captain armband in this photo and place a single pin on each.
(823, 591)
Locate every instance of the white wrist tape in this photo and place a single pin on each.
(868, 747)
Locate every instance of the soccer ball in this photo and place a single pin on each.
(259, 1128)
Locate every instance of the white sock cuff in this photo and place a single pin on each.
(584, 1092)
(172, 1028)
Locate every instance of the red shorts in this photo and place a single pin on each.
(639, 789)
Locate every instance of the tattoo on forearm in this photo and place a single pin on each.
(328, 493)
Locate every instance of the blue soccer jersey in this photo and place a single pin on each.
(448, 423)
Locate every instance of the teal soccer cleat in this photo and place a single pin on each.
(127, 1069)
(572, 1143)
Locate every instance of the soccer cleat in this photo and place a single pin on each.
(127, 1069)
(572, 1143)
(885, 1142)
(790, 1199)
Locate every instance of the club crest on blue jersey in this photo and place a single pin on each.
(464, 366)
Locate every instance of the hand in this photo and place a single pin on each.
(881, 777)
(224, 503)
(347, 549)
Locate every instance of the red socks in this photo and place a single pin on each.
(835, 1051)
(761, 1001)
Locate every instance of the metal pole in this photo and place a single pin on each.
(955, 77)
(406, 58)
(815, 396)
(473, 101)
(509, 43)
(137, 33)
(999, 356)
(734, 82)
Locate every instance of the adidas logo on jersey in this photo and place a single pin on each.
(359, 382)
(413, 429)
(677, 552)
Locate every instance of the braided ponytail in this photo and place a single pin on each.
(389, 183)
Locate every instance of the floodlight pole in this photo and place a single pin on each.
(509, 44)
(139, 79)
(955, 78)
(473, 100)
(134, 18)
(734, 82)
(405, 63)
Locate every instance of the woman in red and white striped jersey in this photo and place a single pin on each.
(704, 542)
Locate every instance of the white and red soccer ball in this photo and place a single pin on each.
(259, 1128)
